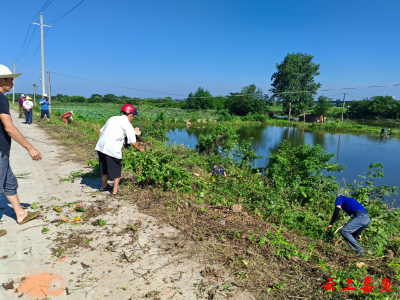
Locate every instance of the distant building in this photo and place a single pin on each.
(311, 118)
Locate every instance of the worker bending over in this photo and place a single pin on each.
(360, 220)
(111, 141)
(67, 117)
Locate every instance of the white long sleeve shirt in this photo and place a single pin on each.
(113, 135)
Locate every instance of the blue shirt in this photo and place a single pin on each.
(45, 105)
(349, 205)
(218, 170)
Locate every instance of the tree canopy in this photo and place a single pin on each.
(294, 84)
(323, 106)
(376, 107)
(202, 99)
(250, 100)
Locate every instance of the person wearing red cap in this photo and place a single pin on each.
(109, 146)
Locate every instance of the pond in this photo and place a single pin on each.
(356, 151)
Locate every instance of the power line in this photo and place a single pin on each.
(68, 12)
(28, 43)
(46, 5)
(36, 49)
(43, 7)
(130, 88)
(30, 24)
(360, 87)
(237, 95)
(124, 87)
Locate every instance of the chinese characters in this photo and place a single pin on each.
(367, 288)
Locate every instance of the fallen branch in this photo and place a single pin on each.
(175, 260)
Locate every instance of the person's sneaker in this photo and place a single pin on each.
(360, 254)
(3, 232)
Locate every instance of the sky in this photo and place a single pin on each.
(173, 47)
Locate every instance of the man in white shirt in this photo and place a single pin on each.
(111, 141)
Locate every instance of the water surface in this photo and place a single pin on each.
(356, 151)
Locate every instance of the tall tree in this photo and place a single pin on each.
(294, 82)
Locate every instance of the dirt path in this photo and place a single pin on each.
(132, 256)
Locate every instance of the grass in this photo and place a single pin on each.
(274, 254)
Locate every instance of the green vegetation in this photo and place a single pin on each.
(377, 107)
(288, 207)
(322, 107)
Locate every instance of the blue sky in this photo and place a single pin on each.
(222, 45)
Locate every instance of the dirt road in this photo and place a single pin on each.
(132, 256)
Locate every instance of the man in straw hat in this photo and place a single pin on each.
(21, 107)
(28, 105)
(8, 182)
(111, 140)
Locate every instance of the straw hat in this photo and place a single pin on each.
(27, 97)
(137, 131)
(6, 73)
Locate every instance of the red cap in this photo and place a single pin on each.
(128, 108)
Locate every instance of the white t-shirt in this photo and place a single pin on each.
(113, 135)
(27, 104)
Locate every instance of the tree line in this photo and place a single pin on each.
(293, 87)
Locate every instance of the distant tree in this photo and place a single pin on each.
(110, 98)
(323, 106)
(77, 99)
(382, 106)
(295, 74)
(272, 101)
(200, 99)
(250, 100)
(95, 98)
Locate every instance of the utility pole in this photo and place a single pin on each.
(344, 97)
(48, 74)
(42, 44)
(14, 86)
(34, 94)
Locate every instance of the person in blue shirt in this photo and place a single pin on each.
(219, 170)
(44, 102)
(360, 220)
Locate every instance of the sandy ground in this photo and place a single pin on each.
(86, 261)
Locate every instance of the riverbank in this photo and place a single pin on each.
(267, 230)
(347, 126)
(176, 117)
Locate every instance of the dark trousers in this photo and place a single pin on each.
(28, 116)
(351, 231)
(8, 182)
(21, 112)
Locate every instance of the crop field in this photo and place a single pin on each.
(91, 113)
(99, 111)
